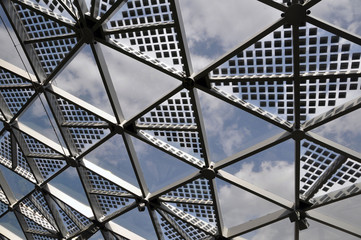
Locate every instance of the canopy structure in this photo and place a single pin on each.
(298, 75)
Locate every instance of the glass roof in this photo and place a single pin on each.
(179, 119)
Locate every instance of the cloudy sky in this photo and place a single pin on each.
(213, 28)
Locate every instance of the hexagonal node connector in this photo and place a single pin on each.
(188, 83)
(72, 161)
(298, 134)
(39, 88)
(296, 14)
(208, 173)
(117, 128)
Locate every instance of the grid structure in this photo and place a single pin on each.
(298, 74)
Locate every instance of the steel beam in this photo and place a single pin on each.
(9, 234)
(349, 153)
(181, 36)
(107, 81)
(115, 228)
(264, 194)
(334, 223)
(240, 48)
(335, 30)
(259, 147)
(332, 114)
(257, 223)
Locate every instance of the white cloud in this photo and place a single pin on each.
(239, 206)
(342, 13)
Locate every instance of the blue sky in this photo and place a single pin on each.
(212, 30)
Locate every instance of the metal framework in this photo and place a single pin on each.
(298, 74)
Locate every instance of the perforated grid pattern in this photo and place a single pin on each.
(161, 44)
(23, 167)
(28, 209)
(272, 55)
(80, 217)
(39, 197)
(70, 226)
(195, 221)
(33, 226)
(3, 207)
(319, 95)
(5, 150)
(37, 147)
(198, 189)
(314, 162)
(48, 167)
(51, 53)
(37, 26)
(16, 98)
(73, 113)
(200, 211)
(184, 140)
(168, 231)
(349, 173)
(56, 7)
(321, 51)
(275, 97)
(3, 198)
(187, 157)
(86, 137)
(137, 12)
(176, 110)
(99, 183)
(110, 204)
(7, 78)
(39, 237)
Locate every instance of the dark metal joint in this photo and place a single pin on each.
(208, 173)
(117, 128)
(295, 14)
(298, 134)
(188, 83)
(72, 161)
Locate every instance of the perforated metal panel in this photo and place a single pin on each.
(296, 75)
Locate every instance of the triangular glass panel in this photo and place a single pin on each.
(97, 236)
(324, 170)
(334, 11)
(213, 30)
(160, 169)
(30, 211)
(272, 169)
(194, 198)
(10, 223)
(247, 207)
(39, 118)
(229, 129)
(272, 55)
(345, 130)
(65, 8)
(274, 96)
(324, 52)
(35, 227)
(70, 226)
(82, 128)
(19, 185)
(107, 196)
(282, 229)
(137, 222)
(321, 95)
(82, 79)
(22, 166)
(177, 115)
(346, 210)
(50, 52)
(68, 182)
(160, 43)
(112, 156)
(136, 84)
(6, 149)
(317, 230)
(193, 226)
(15, 92)
(3, 206)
